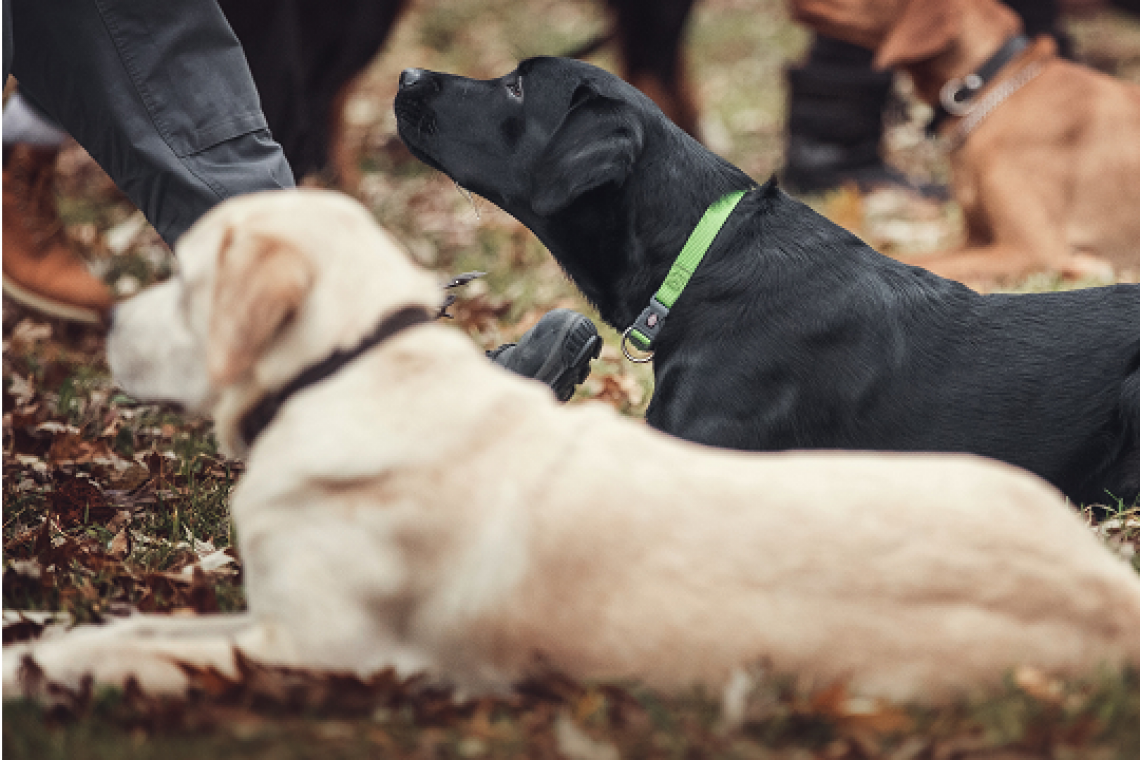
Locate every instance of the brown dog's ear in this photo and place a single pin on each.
(926, 28)
(597, 143)
(261, 282)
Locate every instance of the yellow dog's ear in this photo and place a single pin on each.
(261, 283)
(925, 29)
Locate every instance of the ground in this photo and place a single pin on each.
(112, 506)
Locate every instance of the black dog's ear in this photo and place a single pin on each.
(597, 143)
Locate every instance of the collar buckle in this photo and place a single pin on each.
(644, 331)
(957, 95)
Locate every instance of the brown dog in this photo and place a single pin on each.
(1048, 175)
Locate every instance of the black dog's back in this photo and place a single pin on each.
(796, 334)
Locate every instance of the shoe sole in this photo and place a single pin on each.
(578, 368)
(51, 308)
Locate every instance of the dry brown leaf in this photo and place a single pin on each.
(87, 591)
(28, 416)
(22, 630)
(619, 390)
(71, 448)
(481, 313)
(1037, 685)
(120, 547)
(28, 333)
(575, 744)
(80, 501)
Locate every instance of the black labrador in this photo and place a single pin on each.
(792, 333)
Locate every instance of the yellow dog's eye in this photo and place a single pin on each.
(515, 88)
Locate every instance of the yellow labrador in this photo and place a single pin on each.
(419, 507)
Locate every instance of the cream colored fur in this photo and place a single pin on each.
(425, 509)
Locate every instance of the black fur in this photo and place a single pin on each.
(793, 333)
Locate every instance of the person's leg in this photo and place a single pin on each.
(158, 93)
(835, 120)
(271, 34)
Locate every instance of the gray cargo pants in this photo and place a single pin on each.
(157, 91)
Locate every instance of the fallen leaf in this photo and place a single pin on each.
(1037, 685)
(619, 390)
(28, 333)
(575, 744)
(57, 428)
(80, 501)
(120, 547)
(120, 521)
(72, 449)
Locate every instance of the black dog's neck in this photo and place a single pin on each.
(618, 242)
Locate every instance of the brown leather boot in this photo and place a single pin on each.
(41, 267)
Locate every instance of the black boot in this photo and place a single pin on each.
(1132, 6)
(556, 351)
(835, 121)
(1043, 17)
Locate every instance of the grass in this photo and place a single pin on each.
(107, 502)
(283, 714)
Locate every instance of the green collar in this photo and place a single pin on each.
(643, 332)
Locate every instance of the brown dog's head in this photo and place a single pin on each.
(903, 32)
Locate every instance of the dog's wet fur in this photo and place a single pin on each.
(793, 333)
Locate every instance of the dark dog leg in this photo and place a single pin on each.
(650, 34)
(304, 55)
(339, 45)
(271, 38)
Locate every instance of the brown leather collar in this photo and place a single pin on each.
(254, 421)
(957, 95)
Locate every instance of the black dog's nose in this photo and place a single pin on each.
(409, 77)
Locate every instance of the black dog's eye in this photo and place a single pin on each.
(514, 87)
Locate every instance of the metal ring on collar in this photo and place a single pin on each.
(625, 339)
(954, 88)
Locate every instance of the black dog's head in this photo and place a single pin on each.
(531, 141)
(589, 163)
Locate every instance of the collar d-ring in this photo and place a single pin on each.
(645, 359)
(957, 95)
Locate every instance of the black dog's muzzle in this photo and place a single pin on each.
(412, 110)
